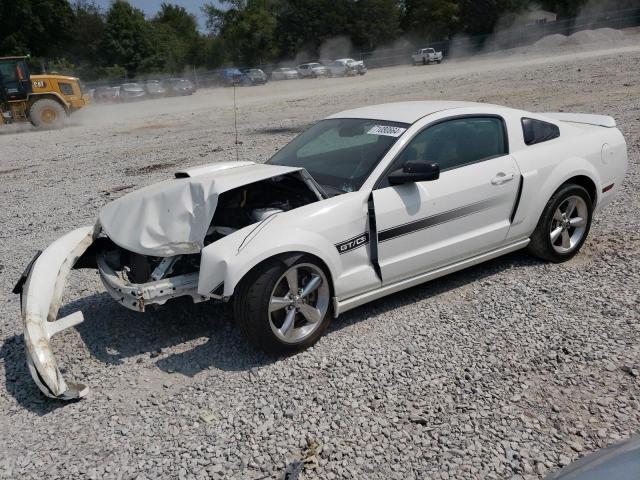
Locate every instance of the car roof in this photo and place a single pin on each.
(405, 112)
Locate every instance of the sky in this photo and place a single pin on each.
(150, 7)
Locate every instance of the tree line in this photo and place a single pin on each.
(78, 37)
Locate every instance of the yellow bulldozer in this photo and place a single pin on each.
(44, 100)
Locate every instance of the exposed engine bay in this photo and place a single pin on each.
(253, 203)
(236, 209)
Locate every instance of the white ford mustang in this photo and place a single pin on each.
(363, 204)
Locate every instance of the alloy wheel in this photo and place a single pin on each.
(568, 224)
(299, 302)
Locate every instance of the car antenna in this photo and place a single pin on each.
(235, 121)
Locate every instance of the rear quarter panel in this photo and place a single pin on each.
(577, 152)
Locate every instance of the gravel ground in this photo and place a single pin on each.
(507, 370)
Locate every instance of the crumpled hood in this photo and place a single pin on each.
(172, 217)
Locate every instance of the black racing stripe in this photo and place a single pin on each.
(411, 227)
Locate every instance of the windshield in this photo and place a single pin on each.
(340, 153)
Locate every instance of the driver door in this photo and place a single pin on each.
(422, 226)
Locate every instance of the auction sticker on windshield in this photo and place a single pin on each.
(387, 130)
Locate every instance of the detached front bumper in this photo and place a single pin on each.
(40, 291)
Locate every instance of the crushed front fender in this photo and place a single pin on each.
(41, 296)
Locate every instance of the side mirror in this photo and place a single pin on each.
(415, 171)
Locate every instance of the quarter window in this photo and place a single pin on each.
(458, 142)
(537, 131)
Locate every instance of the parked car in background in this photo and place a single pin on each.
(253, 76)
(179, 86)
(231, 76)
(155, 89)
(426, 56)
(359, 65)
(312, 70)
(106, 94)
(343, 67)
(130, 92)
(284, 73)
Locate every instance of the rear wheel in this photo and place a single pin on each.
(47, 113)
(564, 225)
(284, 307)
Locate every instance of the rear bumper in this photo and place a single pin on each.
(41, 294)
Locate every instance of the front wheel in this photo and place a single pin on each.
(47, 113)
(284, 307)
(563, 226)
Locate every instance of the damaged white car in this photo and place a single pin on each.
(363, 204)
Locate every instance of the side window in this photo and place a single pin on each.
(537, 131)
(8, 72)
(458, 142)
(65, 88)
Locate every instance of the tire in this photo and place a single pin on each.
(47, 113)
(285, 329)
(570, 231)
(424, 61)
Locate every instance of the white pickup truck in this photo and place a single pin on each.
(426, 56)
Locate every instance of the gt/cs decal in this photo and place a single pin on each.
(352, 243)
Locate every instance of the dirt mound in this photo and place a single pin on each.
(602, 36)
(612, 34)
(551, 41)
(586, 37)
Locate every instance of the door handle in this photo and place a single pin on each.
(501, 178)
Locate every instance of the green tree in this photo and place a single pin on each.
(87, 34)
(128, 39)
(177, 38)
(374, 23)
(481, 16)
(247, 29)
(431, 19)
(37, 27)
(304, 25)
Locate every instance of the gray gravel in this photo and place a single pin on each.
(507, 370)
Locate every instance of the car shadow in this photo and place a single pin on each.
(18, 381)
(113, 334)
(452, 281)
